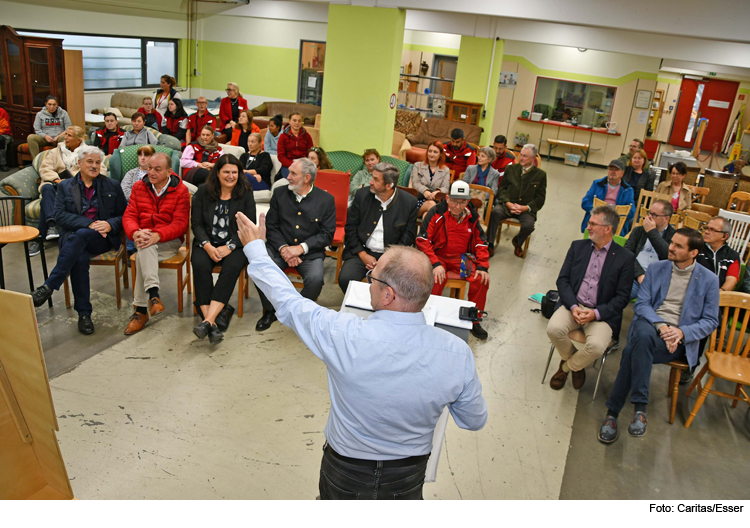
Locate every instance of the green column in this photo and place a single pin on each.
(362, 64)
(472, 73)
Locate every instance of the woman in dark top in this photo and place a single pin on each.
(638, 175)
(175, 120)
(257, 165)
(216, 241)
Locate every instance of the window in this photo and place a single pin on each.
(120, 62)
(570, 101)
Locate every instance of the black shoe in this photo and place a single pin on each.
(52, 233)
(215, 335)
(34, 248)
(41, 295)
(265, 322)
(4, 168)
(686, 376)
(224, 317)
(478, 331)
(85, 325)
(201, 329)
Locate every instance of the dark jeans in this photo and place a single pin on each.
(354, 269)
(205, 289)
(73, 260)
(47, 208)
(343, 478)
(500, 213)
(312, 278)
(258, 185)
(197, 175)
(645, 348)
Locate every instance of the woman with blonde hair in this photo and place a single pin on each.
(638, 174)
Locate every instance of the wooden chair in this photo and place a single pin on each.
(116, 258)
(457, 178)
(699, 193)
(537, 160)
(696, 216)
(692, 176)
(409, 190)
(487, 198)
(692, 223)
(726, 358)
(622, 210)
(708, 209)
(456, 284)
(739, 202)
(644, 200)
(740, 236)
(242, 294)
(295, 278)
(13, 230)
(336, 184)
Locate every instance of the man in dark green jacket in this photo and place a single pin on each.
(520, 195)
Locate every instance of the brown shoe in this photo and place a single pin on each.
(557, 381)
(579, 378)
(491, 251)
(136, 324)
(155, 306)
(518, 252)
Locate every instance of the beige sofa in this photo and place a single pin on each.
(124, 105)
(286, 108)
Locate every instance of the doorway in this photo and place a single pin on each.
(312, 57)
(706, 98)
(443, 66)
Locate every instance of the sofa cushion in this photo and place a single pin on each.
(407, 122)
(436, 129)
(128, 100)
(235, 150)
(33, 211)
(346, 161)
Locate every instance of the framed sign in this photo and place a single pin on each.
(643, 99)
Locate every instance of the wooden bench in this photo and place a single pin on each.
(583, 147)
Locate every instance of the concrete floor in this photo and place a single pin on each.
(161, 415)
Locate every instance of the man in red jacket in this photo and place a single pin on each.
(198, 120)
(450, 230)
(156, 219)
(503, 157)
(458, 154)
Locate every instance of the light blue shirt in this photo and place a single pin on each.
(270, 142)
(389, 376)
(648, 255)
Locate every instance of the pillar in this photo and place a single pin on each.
(362, 65)
(472, 74)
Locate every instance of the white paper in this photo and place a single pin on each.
(642, 117)
(312, 82)
(643, 98)
(718, 104)
(437, 445)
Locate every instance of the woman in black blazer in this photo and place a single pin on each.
(216, 241)
(257, 164)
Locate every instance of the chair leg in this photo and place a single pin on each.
(699, 401)
(674, 380)
(180, 286)
(526, 246)
(240, 294)
(549, 360)
(339, 262)
(697, 379)
(44, 267)
(247, 284)
(125, 270)
(189, 275)
(117, 283)
(599, 376)
(66, 288)
(738, 394)
(28, 266)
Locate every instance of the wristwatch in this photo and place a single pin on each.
(232, 246)
(203, 243)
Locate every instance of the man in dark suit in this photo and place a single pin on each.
(650, 242)
(594, 285)
(380, 216)
(300, 225)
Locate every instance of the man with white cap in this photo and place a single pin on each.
(453, 239)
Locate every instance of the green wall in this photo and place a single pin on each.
(431, 49)
(571, 76)
(363, 56)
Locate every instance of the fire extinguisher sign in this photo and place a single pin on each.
(393, 101)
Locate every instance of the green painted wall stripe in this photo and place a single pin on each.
(668, 81)
(611, 81)
(744, 90)
(453, 52)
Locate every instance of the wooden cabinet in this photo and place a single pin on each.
(463, 112)
(31, 68)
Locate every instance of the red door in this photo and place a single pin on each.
(686, 116)
(710, 99)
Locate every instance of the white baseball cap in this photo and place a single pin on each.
(460, 190)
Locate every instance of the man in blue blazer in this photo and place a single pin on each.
(677, 306)
(612, 190)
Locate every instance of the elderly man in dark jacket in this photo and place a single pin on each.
(88, 210)
(380, 216)
(300, 225)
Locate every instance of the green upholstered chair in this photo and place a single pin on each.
(165, 140)
(126, 158)
(349, 161)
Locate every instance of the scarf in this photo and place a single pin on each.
(208, 147)
(70, 159)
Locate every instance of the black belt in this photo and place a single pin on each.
(401, 462)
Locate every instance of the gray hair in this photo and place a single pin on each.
(609, 213)
(256, 136)
(409, 273)
(726, 227)
(489, 152)
(389, 171)
(166, 157)
(308, 167)
(89, 150)
(533, 148)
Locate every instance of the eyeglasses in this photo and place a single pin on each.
(712, 230)
(370, 278)
(594, 224)
(654, 215)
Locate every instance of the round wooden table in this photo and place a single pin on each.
(14, 234)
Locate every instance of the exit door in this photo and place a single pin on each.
(710, 99)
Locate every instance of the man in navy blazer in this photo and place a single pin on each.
(677, 306)
(594, 285)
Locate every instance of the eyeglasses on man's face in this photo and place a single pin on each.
(712, 230)
(655, 215)
(594, 224)
(370, 278)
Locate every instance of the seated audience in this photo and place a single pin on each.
(151, 117)
(363, 177)
(229, 110)
(243, 129)
(272, 134)
(482, 173)
(429, 177)
(50, 125)
(5, 138)
(594, 286)
(735, 167)
(140, 135)
(638, 175)
(175, 120)
(156, 219)
(200, 157)
(257, 165)
(293, 143)
(520, 195)
(635, 146)
(133, 175)
(650, 242)
(678, 305)
(458, 153)
(109, 137)
(88, 209)
(300, 225)
(612, 190)
(503, 157)
(447, 244)
(682, 198)
(319, 157)
(391, 211)
(165, 94)
(199, 119)
(216, 242)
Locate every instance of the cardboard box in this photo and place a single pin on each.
(572, 159)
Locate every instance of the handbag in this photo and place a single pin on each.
(468, 265)
(549, 302)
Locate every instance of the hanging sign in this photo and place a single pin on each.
(393, 101)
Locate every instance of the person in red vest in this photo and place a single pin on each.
(451, 231)
(293, 143)
(503, 156)
(229, 110)
(5, 138)
(199, 157)
(152, 118)
(458, 154)
(175, 121)
(200, 119)
(109, 137)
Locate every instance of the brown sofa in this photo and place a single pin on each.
(286, 108)
(436, 129)
(127, 103)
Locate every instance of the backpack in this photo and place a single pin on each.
(549, 302)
